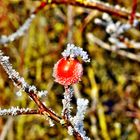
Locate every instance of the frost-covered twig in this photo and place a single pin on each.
(116, 31)
(32, 92)
(105, 46)
(20, 32)
(14, 111)
(13, 75)
(78, 119)
(66, 103)
(21, 84)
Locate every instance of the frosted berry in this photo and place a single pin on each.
(67, 71)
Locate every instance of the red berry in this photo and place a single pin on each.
(67, 71)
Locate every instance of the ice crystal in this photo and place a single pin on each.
(20, 32)
(74, 51)
(24, 85)
(32, 89)
(106, 17)
(51, 123)
(70, 130)
(19, 93)
(42, 93)
(78, 119)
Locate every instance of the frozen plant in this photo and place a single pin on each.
(14, 75)
(66, 102)
(78, 119)
(115, 30)
(67, 71)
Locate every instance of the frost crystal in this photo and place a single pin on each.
(78, 119)
(32, 89)
(74, 51)
(106, 17)
(51, 123)
(42, 93)
(19, 93)
(70, 130)
(20, 32)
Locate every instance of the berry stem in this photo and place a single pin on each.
(66, 103)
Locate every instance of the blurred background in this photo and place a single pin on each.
(110, 82)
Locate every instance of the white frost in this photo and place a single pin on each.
(74, 51)
(78, 119)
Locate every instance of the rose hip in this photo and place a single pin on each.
(67, 71)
